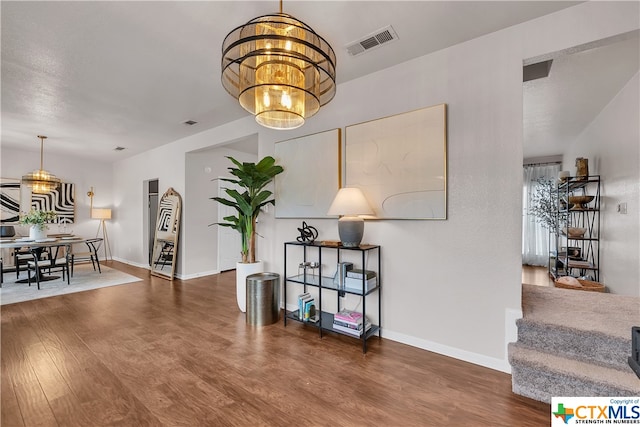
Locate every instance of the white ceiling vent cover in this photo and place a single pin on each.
(372, 41)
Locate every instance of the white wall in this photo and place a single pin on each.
(79, 171)
(449, 286)
(202, 167)
(612, 144)
(167, 164)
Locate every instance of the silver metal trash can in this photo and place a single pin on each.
(263, 299)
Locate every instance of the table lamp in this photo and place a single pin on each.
(102, 215)
(349, 203)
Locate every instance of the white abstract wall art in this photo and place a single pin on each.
(311, 175)
(400, 163)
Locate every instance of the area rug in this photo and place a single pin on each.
(84, 279)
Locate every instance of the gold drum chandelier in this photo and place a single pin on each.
(279, 69)
(41, 181)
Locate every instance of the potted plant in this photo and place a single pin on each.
(37, 220)
(544, 205)
(252, 178)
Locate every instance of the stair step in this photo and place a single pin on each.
(540, 375)
(609, 314)
(596, 347)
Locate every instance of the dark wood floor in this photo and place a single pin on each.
(179, 354)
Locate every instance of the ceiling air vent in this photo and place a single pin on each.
(536, 71)
(372, 41)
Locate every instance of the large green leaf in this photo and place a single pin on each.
(252, 178)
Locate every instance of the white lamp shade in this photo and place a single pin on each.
(350, 201)
(101, 213)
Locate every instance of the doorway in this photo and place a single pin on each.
(208, 252)
(562, 109)
(150, 215)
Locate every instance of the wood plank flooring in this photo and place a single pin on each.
(160, 353)
(539, 276)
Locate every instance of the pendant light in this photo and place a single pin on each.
(41, 181)
(279, 69)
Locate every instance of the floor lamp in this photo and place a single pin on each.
(102, 215)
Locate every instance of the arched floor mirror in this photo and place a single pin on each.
(165, 244)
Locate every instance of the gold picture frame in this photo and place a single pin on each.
(400, 163)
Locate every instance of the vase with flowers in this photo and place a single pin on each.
(37, 219)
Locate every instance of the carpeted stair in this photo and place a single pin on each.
(574, 343)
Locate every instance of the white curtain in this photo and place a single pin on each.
(535, 237)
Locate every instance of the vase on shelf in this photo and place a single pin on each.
(582, 168)
(38, 232)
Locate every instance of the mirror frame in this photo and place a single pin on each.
(161, 235)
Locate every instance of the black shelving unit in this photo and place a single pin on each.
(325, 283)
(577, 255)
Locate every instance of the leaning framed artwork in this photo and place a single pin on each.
(311, 175)
(60, 200)
(400, 163)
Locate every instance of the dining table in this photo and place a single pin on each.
(37, 247)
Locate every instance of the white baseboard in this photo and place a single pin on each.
(178, 276)
(135, 264)
(291, 307)
(456, 353)
(467, 356)
(196, 275)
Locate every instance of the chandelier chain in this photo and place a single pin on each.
(42, 138)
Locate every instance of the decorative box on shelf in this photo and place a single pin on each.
(356, 285)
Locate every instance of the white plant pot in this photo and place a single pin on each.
(242, 271)
(37, 233)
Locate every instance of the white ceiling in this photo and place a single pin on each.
(580, 84)
(97, 75)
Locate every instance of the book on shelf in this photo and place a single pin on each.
(579, 263)
(360, 274)
(354, 284)
(352, 332)
(309, 310)
(349, 316)
(302, 298)
(347, 324)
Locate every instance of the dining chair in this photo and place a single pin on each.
(21, 257)
(55, 262)
(93, 246)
